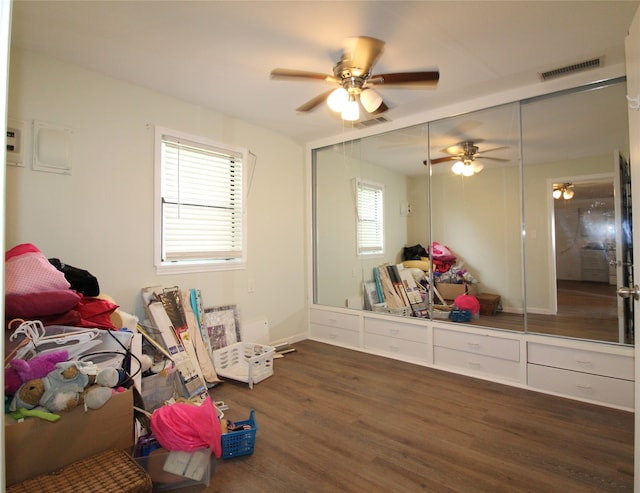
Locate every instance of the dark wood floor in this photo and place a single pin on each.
(586, 310)
(335, 420)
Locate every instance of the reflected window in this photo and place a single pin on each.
(370, 218)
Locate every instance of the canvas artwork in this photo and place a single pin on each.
(370, 295)
(222, 325)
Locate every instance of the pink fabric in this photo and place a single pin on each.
(21, 249)
(438, 250)
(187, 427)
(42, 304)
(29, 271)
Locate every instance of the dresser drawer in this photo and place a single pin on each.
(598, 363)
(397, 330)
(608, 390)
(396, 347)
(496, 347)
(334, 319)
(335, 335)
(477, 364)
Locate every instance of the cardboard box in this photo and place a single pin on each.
(450, 291)
(35, 446)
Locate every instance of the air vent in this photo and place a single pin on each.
(372, 121)
(570, 69)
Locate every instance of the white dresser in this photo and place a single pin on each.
(477, 352)
(594, 372)
(601, 374)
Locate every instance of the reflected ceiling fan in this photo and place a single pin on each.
(465, 155)
(353, 73)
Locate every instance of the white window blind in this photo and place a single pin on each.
(201, 201)
(370, 218)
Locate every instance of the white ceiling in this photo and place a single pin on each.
(219, 54)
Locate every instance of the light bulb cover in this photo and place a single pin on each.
(467, 170)
(351, 111)
(457, 167)
(370, 100)
(567, 194)
(338, 99)
(557, 193)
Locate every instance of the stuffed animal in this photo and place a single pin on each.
(20, 370)
(71, 384)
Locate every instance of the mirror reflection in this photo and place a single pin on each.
(577, 206)
(477, 214)
(373, 197)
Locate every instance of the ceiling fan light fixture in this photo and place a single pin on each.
(351, 111)
(338, 99)
(564, 191)
(370, 100)
(458, 167)
(468, 170)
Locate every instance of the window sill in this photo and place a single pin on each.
(182, 268)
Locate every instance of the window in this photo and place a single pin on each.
(200, 220)
(370, 218)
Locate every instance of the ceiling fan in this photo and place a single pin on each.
(353, 73)
(465, 155)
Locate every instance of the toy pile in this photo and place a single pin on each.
(69, 350)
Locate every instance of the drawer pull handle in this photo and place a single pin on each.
(584, 386)
(473, 345)
(584, 362)
(473, 364)
(393, 348)
(333, 336)
(394, 331)
(332, 321)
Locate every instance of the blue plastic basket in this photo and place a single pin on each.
(460, 315)
(238, 443)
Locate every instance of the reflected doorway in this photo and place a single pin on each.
(587, 246)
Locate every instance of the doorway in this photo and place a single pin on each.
(586, 246)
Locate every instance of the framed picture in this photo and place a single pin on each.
(370, 295)
(222, 325)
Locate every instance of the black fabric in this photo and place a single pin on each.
(415, 252)
(80, 280)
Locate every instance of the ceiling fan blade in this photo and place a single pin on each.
(443, 159)
(312, 104)
(482, 151)
(424, 78)
(285, 73)
(491, 158)
(362, 52)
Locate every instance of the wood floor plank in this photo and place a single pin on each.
(336, 420)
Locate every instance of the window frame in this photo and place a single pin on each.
(378, 188)
(196, 265)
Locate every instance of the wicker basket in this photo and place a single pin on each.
(112, 471)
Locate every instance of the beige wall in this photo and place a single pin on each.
(340, 270)
(100, 218)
